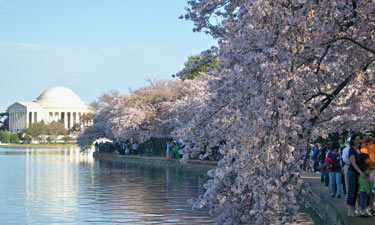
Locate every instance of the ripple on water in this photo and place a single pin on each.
(49, 186)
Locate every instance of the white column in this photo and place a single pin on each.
(24, 120)
(13, 121)
(32, 117)
(27, 119)
(21, 120)
(16, 117)
(18, 121)
(66, 119)
(10, 121)
(71, 120)
(75, 115)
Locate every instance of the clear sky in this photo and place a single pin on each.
(91, 46)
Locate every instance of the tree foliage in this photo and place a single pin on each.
(7, 137)
(14, 138)
(151, 111)
(210, 64)
(36, 129)
(4, 136)
(4, 121)
(288, 71)
(104, 100)
(40, 128)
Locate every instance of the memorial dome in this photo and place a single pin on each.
(59, 97)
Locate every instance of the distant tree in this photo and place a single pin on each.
(36, 129)
(76, 127)
(154, 111)
(14, 138)
(104, 100)
(27, 139)
(211, 64)
(4, 121)
(54, 129)
(67, 138)
(4, 136)
(86, 118)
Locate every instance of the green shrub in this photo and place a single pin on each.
(14, 138)
(4, 136)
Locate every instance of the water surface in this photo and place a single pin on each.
(65, 186)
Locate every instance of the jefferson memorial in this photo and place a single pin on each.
(54, 104)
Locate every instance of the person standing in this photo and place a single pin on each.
(123, 147)
(353, 172)
(176, 151)
(333, 163)
(368, 148)
(364, 186)
(172, 149)
(342, 147)
(135, 148)
(96, 146)
(141, 148)
(168, 151)
(323, 169)
(346, 162)
(316, 157)
(127, 150)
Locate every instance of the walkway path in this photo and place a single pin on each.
(339, 204)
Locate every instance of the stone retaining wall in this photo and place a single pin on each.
(194, 165)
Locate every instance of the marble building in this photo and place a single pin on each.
(54, 104)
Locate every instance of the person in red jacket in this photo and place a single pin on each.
(333, 163)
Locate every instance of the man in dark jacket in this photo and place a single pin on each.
(322, 157)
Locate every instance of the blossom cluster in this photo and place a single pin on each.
(156, 110)
(289, 71)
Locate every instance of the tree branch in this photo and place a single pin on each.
(321, 59)
(345, 38)
(339, 89)
(320, 93)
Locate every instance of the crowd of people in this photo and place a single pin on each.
(122, 148)
(172, 149)
(347, 167)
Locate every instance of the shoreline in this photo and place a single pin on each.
(195, 165)
(38, 145)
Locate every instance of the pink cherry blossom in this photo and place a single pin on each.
(289, 72)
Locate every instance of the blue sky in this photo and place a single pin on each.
(91, 46)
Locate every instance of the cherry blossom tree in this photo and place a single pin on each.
(156, 110)
(288, 71)
(102, 114)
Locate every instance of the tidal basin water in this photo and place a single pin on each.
(64, 186)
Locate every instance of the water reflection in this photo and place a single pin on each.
(66, 186)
